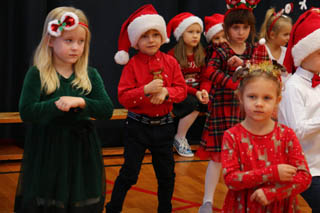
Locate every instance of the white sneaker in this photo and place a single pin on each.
(205, 208)
(182, 147)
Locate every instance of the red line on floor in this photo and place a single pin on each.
(192, 204)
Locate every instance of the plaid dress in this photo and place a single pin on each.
(224, 108)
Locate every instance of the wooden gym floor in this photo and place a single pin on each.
(142, 197)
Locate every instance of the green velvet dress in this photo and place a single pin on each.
(62, 168)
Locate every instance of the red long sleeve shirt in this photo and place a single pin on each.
(251, 162)
(138, 72)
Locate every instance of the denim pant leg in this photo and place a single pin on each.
(133, 154)
(312, 194)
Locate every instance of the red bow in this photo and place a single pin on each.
(68, 21)
(315, 80)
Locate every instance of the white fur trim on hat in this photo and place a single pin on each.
(121, 57)
(213, 31)
(305, 47)
(185, 24)
(144, 23)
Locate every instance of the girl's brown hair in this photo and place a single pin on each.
(240, 16)
(268, 20)
(180, 54)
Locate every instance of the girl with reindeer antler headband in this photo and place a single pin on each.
(62, 168)
(224, 108)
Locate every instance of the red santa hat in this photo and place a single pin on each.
(139, 22)
(181, 22)
(213, 25)
(304, 39)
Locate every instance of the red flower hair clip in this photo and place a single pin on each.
(68, 21)
(242, 4)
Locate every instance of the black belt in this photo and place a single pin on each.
(153, 121)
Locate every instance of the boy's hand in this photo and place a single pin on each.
(202, 96)
(235, 61)
(259, 197)
(65, 103)
(286, 172)
(159, 97)
(155, 86)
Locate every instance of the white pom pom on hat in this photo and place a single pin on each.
(262, 41)
(139, 22)
(121, 57)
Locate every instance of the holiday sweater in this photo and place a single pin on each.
(250, 162)
(193, 76)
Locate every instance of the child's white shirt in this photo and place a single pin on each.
(282, 55)
(300, 110)
(284, 76)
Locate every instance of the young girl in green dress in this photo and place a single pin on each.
(62, 168)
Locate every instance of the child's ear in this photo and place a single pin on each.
(272, 34)
(50, 40)
(279, 99)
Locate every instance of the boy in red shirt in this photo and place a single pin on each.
(150, 83)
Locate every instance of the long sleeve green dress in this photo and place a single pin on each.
(62, 168)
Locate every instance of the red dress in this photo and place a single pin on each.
(249, 162)
(223, 108)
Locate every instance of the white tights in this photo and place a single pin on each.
(211, 180)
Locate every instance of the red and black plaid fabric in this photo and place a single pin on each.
(224, 108)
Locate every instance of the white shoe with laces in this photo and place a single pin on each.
(182, 147)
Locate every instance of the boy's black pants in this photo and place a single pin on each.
(139, 137)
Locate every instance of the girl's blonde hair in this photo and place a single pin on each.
(180, 54)
(43, 56)
(269, 18)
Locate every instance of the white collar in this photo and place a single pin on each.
(303, 73)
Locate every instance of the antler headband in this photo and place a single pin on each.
(241, 4)
(273, 68)
(287, 9)
(68, 21)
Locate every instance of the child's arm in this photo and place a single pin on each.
(130, 94)
(236, 179)
(301, 180)
(97, 103)
(31, 108)
(216, 75)
(177, 90)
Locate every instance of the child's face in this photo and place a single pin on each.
(238, 33)
(149, 42)
(219, 38)
(68, 48)
(191, 36)
(259, 99)
(312, 62)
(281, 38)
